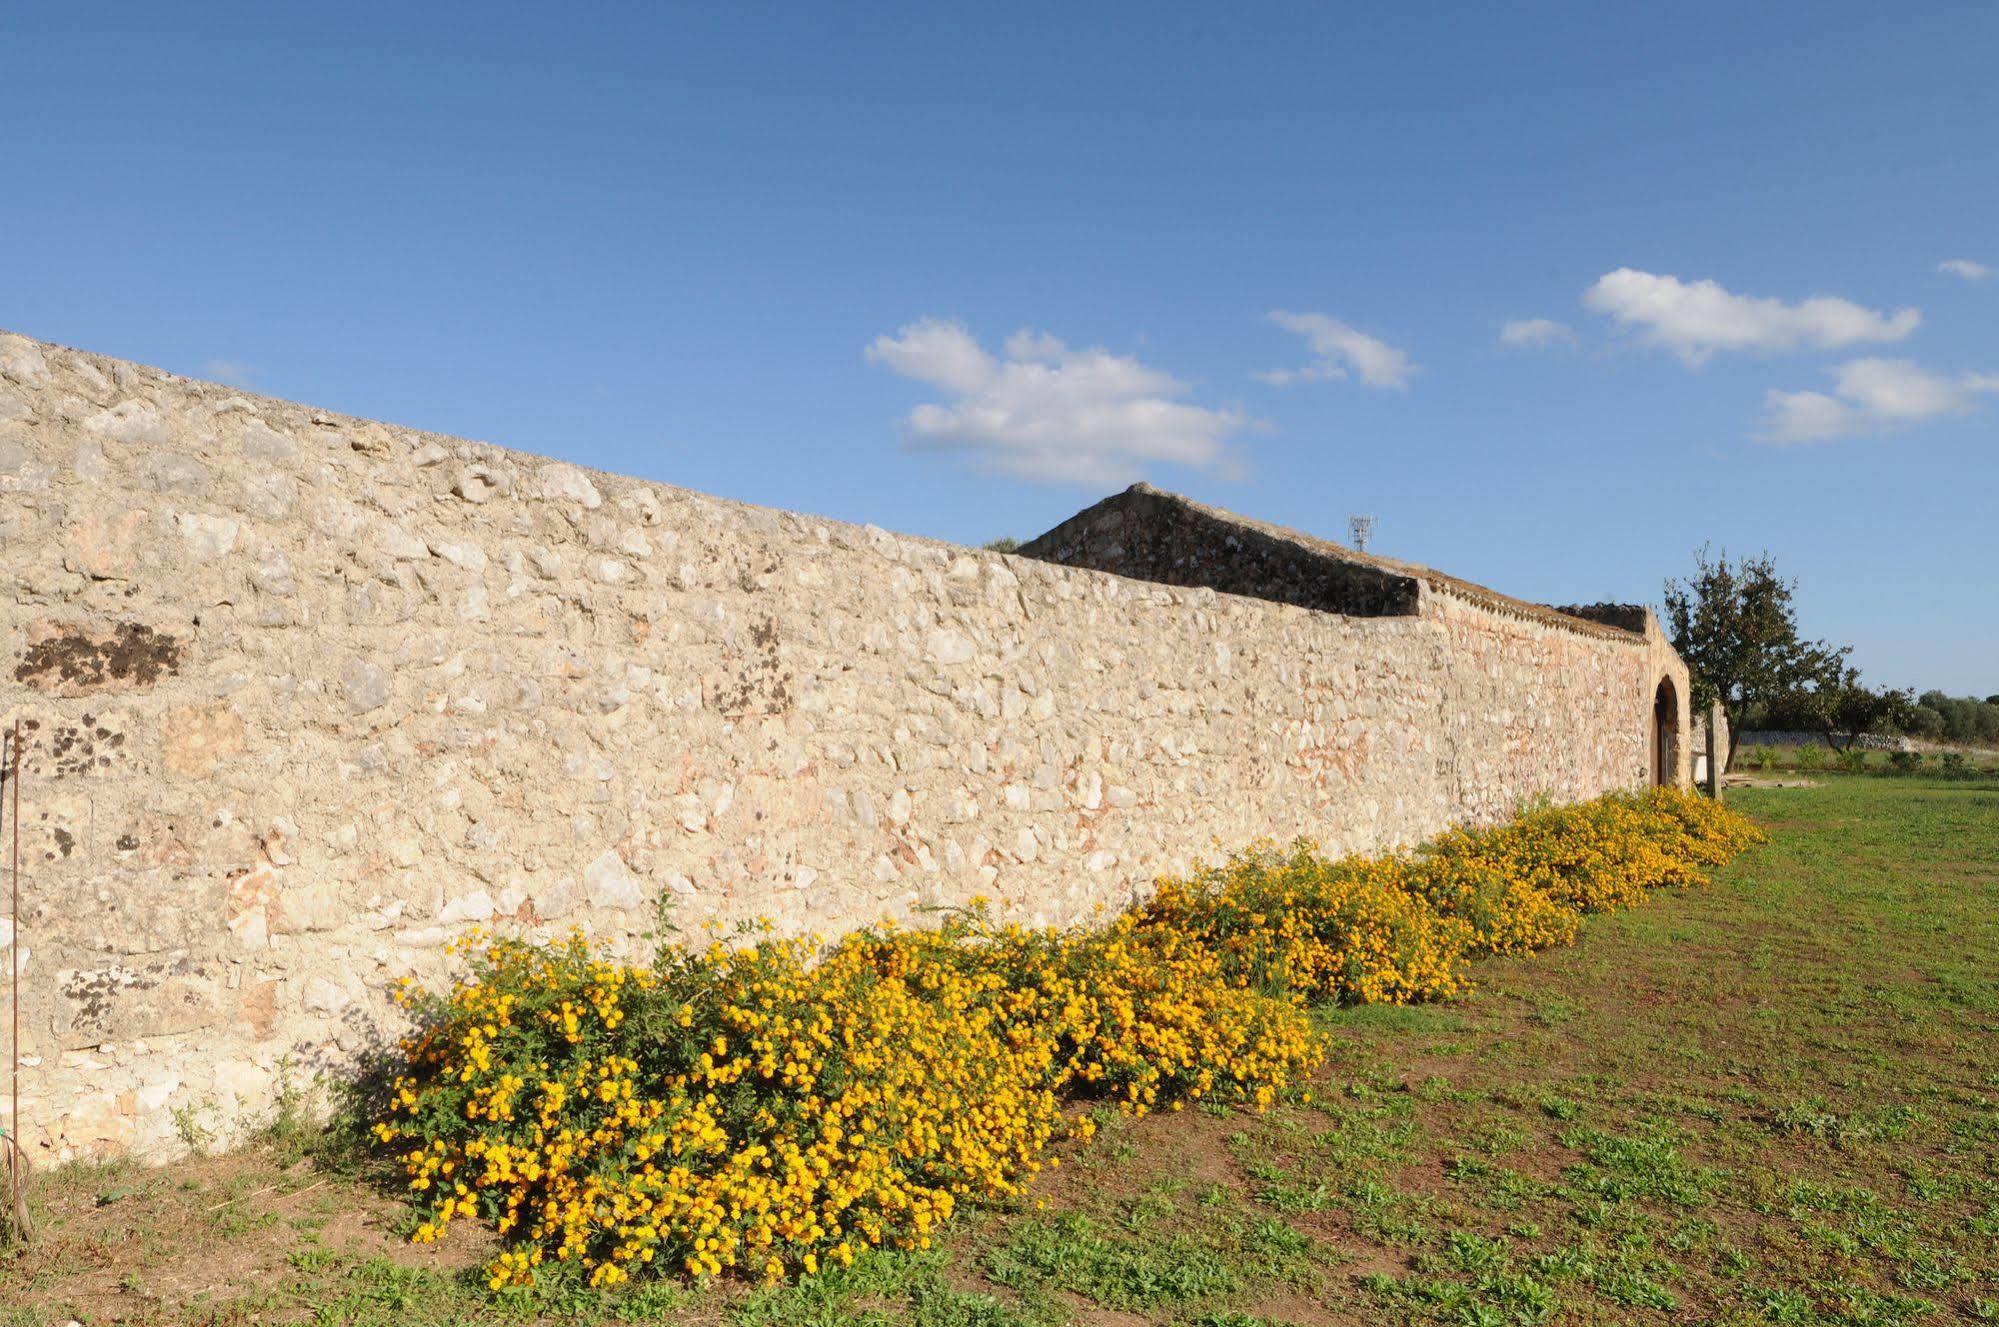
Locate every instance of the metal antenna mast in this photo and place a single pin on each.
(1360, 529)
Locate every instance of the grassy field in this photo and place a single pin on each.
(1775, 1101)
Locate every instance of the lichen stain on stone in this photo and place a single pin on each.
(92, 993)
(762, 684)
(73, 659)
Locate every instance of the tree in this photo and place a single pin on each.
(1924, 722)
(1735, 626)
(1839, 705)
(1962, 719)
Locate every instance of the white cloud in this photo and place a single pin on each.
(1050, 413)
(1341, 350)
(1871, 396)
(1965, 268)
(232, 371)
(1535, 333)
(1696, 320)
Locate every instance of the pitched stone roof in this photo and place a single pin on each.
(1150, 534)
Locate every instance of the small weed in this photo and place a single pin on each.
(191, 1125)
(1470, 1252)
(313, 1258)
(1072, 1253)
(1647, 1165)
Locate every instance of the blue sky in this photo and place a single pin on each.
(960, 270)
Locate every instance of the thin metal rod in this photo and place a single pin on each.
(17, 1155)
(14, 948)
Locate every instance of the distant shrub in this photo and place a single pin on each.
(1905, 762)
(1811, 757)
(1853, 760)
(1955, 766)
(1763, 757)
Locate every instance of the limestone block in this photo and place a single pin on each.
(21, 361)
(609, 883)
(251, 909)
(325, 996)
(173, 473)
(365, 685)
(561, 482)
(136, 423)
(260, 442)
(194, 740)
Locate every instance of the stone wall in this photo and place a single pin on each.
(307, 696)
(1865, 742)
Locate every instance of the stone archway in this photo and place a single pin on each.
(1666, 735)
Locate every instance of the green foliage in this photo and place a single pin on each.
(1827, 696)
(1735, 626)
(1962, 719)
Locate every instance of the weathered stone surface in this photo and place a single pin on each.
(945, 646)
(567, 483)
(251, 909)
(104, 544)
(261, 443)
(138, 423)
(194, 740)
(609, 883)
(207, 538)
(21, 360)
(476, 483)
(174, 473)
(365, 684)
(307, 698)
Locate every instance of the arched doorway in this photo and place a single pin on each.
(1666, 735)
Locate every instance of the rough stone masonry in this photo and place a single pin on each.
(307, 696)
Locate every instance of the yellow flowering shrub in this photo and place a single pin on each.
(1151, 1017)
(1605, 854)
(768, 1106)
(1291, 920)
(1401, 928)
(764, 1108)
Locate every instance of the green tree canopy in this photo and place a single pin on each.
(1736, 627)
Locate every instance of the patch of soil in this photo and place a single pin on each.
(128, 1242)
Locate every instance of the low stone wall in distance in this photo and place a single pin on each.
(1865, 742)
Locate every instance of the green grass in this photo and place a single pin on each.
(1774, 1101)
